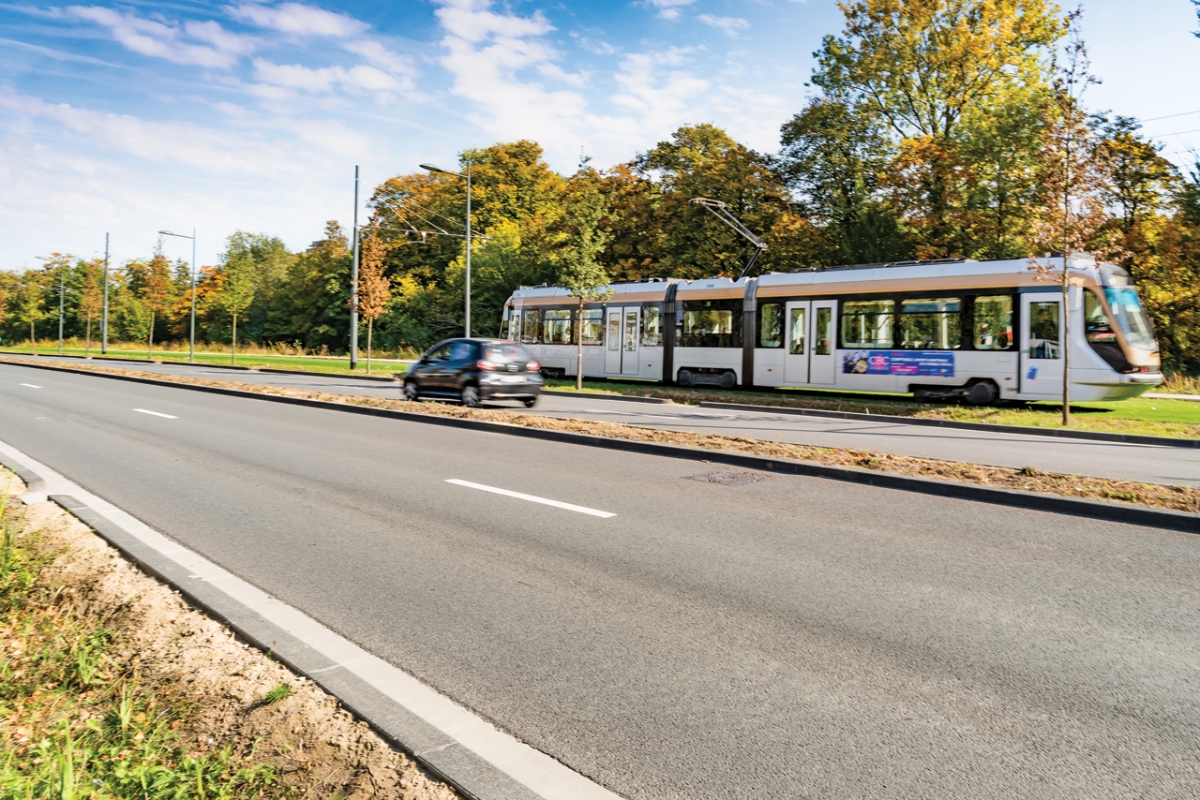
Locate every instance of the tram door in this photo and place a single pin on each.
(629, 341)
(822, 362)
(1041, 344)
(797, 343)
(621, 340)
(612, 341)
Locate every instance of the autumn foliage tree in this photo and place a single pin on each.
(374, 287)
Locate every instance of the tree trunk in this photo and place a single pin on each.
(370, 324)
(150, 341)
(32, 340)
(1066, 339)
(579, 348)
(87, 346)
(233, 355)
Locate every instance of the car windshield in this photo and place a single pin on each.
(1131, 318)
(504, 353)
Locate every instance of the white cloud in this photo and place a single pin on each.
(378, 55)
(323, 80)
(486, 53)
(161, 40)
(669, 9)
(730, 25)
(298, 19)
(228, 152)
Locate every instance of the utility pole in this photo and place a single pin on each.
(467, 325)
(61, 292)
(192, 334)
(354, 284)
(104, 315)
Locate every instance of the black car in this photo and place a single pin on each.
(475, 371)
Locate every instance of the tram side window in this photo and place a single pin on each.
(529, 330)
(1043, 331)
(1095, 321)
(823, 329)
(867, 323)
(556, 326)
(514, 327)
(993, 328)
(932, 324)
(652, 326)
(711, 323)
(770, 325)
(593, 326)
(614, 330)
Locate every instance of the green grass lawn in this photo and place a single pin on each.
(332, 365)
(1148, 416)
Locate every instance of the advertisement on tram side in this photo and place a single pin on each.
(921, 363)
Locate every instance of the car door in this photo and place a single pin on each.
(430, 371)
(462, 357)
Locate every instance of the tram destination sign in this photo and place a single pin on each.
(933, 363)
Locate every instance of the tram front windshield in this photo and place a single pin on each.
(1131, 317)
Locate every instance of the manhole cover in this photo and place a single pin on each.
(727, 478)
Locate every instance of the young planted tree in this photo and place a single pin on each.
(374, 288)
(156, 291)
(582, 272)
(30, 301)
(236, 292)
(1073, 178)
(91, 296)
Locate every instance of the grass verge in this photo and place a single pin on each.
(1142, 416)
(110, 687)
(331, 365)
(1177, 498)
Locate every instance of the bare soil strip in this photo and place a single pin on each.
(188, 683)
(1029, 479)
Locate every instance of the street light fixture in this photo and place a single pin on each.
(192, 332)
(467, 175)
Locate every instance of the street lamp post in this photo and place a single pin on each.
(354, 283)
(192, 329)
(62, 290)
(432, 168)
(104, 315)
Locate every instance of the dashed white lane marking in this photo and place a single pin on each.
(31, 386)
(155, 413)
(531, 498)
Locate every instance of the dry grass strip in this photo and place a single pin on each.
(1029, 479)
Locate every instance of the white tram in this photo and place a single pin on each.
(984, 331)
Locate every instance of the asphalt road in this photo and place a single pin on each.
(783, 638)
(1143, 463)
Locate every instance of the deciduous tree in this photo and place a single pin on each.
(582, 273)
(1073, 177)
(374, 288)
(237, 286)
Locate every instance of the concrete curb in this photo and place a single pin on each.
(624, 398)
(1120, 438)
(81, 358)
(33, 482)
(1039, 501)
(436, 749)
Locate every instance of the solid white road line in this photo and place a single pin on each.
(155, 413)
(531, 498)
(31, 386)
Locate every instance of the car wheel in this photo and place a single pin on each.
(410, 391)
(470, 396)
(530, 403)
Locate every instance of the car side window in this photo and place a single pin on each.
(440, 353)
(461, 351)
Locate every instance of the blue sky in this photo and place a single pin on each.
(138, 116)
